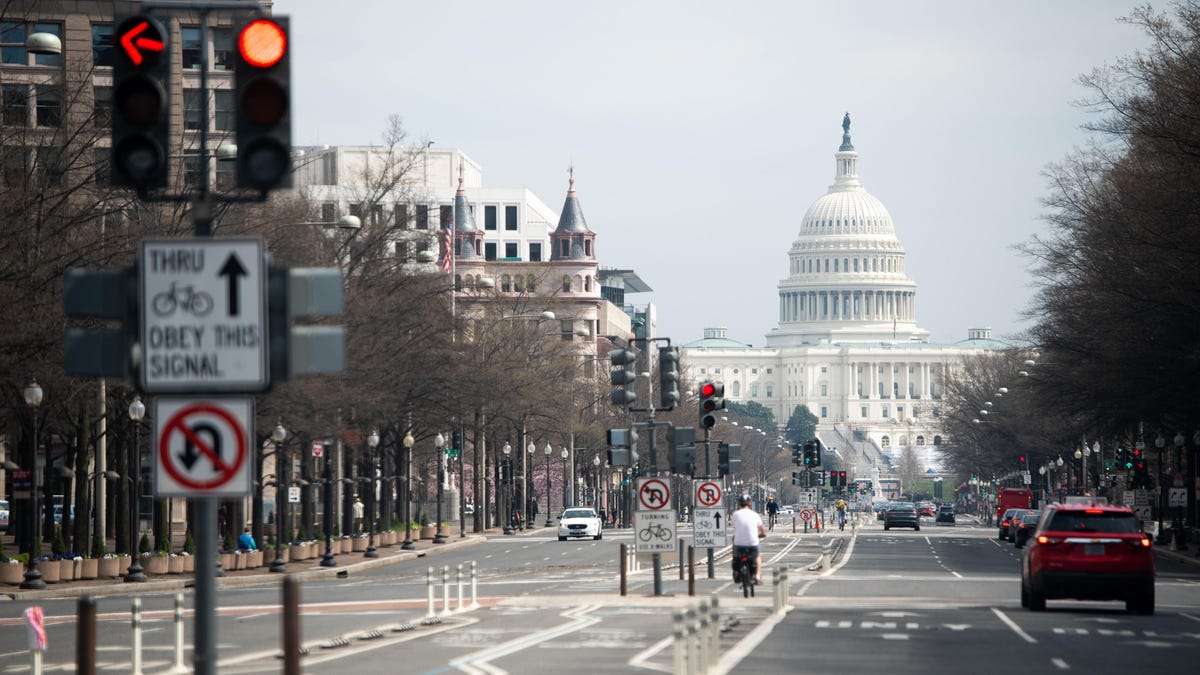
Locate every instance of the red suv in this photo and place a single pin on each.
(1088, 551)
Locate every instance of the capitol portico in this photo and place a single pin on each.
(847, 345)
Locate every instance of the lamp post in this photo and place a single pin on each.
(506, 478)
(327, 515)
(440, 442)
(1177, 470)
(33, 576)
(548, 450)
(1160, 443)
(566, 478)
(278, 435)
(531, 448)
(371, 552)
(596, 482)
(408, 544)
(135, 574)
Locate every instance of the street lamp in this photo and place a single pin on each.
(566, 477)
(531, 448)
(440, 442)
(371, 552)
(548, 450)
(327, 515)
(505, 477)
(1160, 443)
(596, 482)
(137, 410)
(33, 577)
(408, 544)
(278, 435)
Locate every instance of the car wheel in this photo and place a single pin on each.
(561, 538)
(1143, 604)
(599, 536)
(916, 528)
(1024, 594)
(886, 526)
(1037, 601)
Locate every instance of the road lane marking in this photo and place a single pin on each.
(1015, 628)
(1060, 664)
(1193, 618)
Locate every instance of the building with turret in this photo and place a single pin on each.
(847, 344)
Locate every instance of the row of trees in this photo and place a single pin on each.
(1117, 339)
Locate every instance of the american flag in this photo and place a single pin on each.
(447, 248)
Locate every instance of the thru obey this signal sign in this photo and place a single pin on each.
(202, 447)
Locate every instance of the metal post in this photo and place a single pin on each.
(474, 596)
(85, 636)
(371, 551)
(291, 626)
(135, 652)
(408, 544)
(624, 566)
(549, 491)
(429, 594)
(691, 570)
(327, 517)
(460, 587)
(204, 651)
(680, 652)
(440, 537)
(714, 629)
(281, 462)
(33, 576)
(179, 666)
(681, 558)
(135, 573)
(702, 619)
(445, 589)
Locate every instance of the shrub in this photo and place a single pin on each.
(98, 548)
(144, 546)
(59, 546)
(230, 544)
(189, 543)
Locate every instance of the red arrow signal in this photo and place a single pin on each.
(132, 43)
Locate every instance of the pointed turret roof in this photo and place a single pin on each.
(572, 219)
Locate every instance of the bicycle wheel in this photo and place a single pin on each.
(163, 303)
(644, 535)
(747, 582)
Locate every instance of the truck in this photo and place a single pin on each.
(1012, 498)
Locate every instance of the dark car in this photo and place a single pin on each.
(1090, 551)
(901, 514)
(1015, 521)
(1005, 520)
(945, 515)
(1022, 527)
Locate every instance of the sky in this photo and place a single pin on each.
(701, 131)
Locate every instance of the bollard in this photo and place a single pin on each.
(445, 589)
(135, 654)
(624, 567)
(291, 625)
(429, 613)
(681, 559)
(714, 632)
(826, 554)
(680, 642)
(474, 598)
(460, 588)
(793, 524)
(689, 629)
(179, 665)
(702, 628)
(85, 637)
(691, 570)
(805, 527)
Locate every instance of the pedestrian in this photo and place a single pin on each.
(533, 511)
(358, 514)
(246, 541)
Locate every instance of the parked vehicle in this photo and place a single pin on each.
(4, 514)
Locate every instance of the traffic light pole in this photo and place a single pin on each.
(712, 567)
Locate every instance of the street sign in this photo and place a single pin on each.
(203, 316)
(1177, 496)
(654, 532)
(708, 494)
(654, 494)
(202, 447)
(22, 484)
(807, 497)
(806, 514)
(293, 495)
(317, 448)
(709, 528)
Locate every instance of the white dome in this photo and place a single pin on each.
(842, 211)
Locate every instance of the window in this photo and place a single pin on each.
(191, 109)
(222, 48)
(402, 250)
(754, 371)
(446, 215)
(328, 212)
(864, 411)
(567, 328)
(535, 251)
(885, 441)
(489, 218)
(736, 389)
(102, 44)
(824, 411)
(885, 411)
(49, 110)
(14, 164)
(770, 391)
(356, 210)
(191, 169)
(102, 107)
(489, 250)
(824, 389)
(587, 247)
(920, 440)
(754, 391)
(422, 217)
(519, 283)
(510, 250)
(16, 104)
(824, 369)
(505, 281)
(566, 284)
(531, 283)
(769, 370)
(510, 218)
(402, 216)
(103, 171)
(50, 165)
(564, 248)
(223, 107)
(225, 174)
(15, 33)
(191, 47)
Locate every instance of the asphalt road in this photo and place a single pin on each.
(893, 602)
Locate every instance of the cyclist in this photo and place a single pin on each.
(772, 511)
(747, 531)
(841, 514)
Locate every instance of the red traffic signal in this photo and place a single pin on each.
(262, 43)
(262, 73)
(707, 389)
(141, 104)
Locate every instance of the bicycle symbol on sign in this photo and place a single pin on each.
(655, 530)
(185, 298)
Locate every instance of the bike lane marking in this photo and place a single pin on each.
(1015, 628)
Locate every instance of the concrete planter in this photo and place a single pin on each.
(12, 573)
(298, 551)
(226, 560)
(123, 563)
(254, 559)
(154, 564)
(89, 568)
(429, 532)
(109, 568)
(51, 571)
(189, 564)
(175, 565)
(359, 544)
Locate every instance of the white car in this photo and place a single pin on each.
(579, 521)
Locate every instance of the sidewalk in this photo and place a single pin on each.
(347, 564)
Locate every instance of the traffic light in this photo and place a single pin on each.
(668, 376)
(304, 293)
(100, 294)
(820, 477)
(456, 441)
(623, 377)
(141, 99)
(729, 458)
(618, 457)
(683, 460)
(1124, 458)
(1020, 461)
(712, 399)
(797, 454)
(841, 479)
(262, 65)
(812, 453)
(797, 478)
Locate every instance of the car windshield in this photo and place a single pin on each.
(1103, 521)
(1030, 518)
(946, 509)
(579, 513)
(901, 506)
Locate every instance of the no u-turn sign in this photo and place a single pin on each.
(202, 447)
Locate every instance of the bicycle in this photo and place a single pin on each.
(771, 518)
(182, 297)
(744, 570)
(654, 530)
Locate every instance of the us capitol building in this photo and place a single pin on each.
(847, 344)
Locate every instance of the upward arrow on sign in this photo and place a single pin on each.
(231, 270)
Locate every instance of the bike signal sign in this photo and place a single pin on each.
(203, 316)
(654, 494)
(202, 447)
(654, 532)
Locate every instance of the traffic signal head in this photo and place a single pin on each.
(618, 457)
(668, 376)
(262, 66)
(103, 294)
(797, 454)
(141, 104)
(841, 479)
(712, 399)
(729, 458)
(623, 376)
(812, 453)
(1020, 460)
(683, 460)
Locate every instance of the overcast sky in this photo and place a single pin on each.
(701, 131)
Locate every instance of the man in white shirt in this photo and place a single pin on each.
(748, 529)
